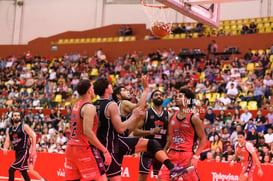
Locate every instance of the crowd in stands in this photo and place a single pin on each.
(33, 82)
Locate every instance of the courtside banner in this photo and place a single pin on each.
(51, 166)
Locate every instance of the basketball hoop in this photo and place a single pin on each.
(159, 17)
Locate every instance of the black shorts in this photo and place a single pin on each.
(146, 162)
(21, 160)
(126, 147)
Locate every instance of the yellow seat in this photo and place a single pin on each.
(104, 39)
(202, 76)
(155, 63)
(29, 90)
(99, 39)
(77, 40)
(96, 97)
(271, 58)
(68, 103)
(88, 40)
(29, 66)
(183, 35)
(195, 35)
(252, 105)
(58, 98)
(261, 51)
(250, 66)
(93, 40)
(60, 41)
(243, 104)
(82, 40)
(66, 41)
(94, 72)
(177, 36)
(214, 97)
(121, 38)
(268, 29)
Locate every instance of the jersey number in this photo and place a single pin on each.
(74, 129)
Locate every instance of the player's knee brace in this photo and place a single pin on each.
(153, 146)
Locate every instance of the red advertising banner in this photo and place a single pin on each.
(51, 166)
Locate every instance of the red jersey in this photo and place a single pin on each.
(244, 151)
(77, 137)
(183, 136)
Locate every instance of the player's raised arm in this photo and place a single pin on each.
(128, 106)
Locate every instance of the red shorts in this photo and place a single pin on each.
(248, 169)
(181, 158)
(80, 163)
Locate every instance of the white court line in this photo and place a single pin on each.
(1, 177)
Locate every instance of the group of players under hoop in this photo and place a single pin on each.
(170, 142)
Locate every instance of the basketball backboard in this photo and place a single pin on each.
(204, 11)
(207, 13)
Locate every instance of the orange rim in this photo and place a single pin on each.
(153, 6)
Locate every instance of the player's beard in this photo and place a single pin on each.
(16, 121)
(158, 102)
(126, 98)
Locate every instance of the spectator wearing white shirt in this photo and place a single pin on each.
(268, 83)
(232, 92)
(61, 139)
(232, 80)
(245, 117)
(269, 136)
(226, 100)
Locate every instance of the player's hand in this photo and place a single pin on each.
(194, 162)
(145, 81)
(260, 172)
(231, 163)
(107, 157)
(139, 112)
(5, 151)
(156, 130)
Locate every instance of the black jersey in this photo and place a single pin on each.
(18, 137)
(154, 120)
(124, 118)
(106, 132)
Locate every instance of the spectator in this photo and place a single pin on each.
(250, 125)
(252, 27)
(260, 117)
(261, 129)
(216, 143)
(269, 116)
(210, 116)
(252, 136)
(245, 29)
(234, 135)
(269, 136)
(245, 117)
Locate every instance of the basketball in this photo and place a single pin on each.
(160, 30)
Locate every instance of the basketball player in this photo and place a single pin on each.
(31, 171)
(185, 128)
(18, 134)
(245, 151)
(154, 126)
(83, 160)
(111, 126)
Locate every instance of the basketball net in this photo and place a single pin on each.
(158, 14)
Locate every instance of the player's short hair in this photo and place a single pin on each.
(155, 91)
(241, 133)
(100, 85)
(189, 95)
(116, 92)
(83, 86)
